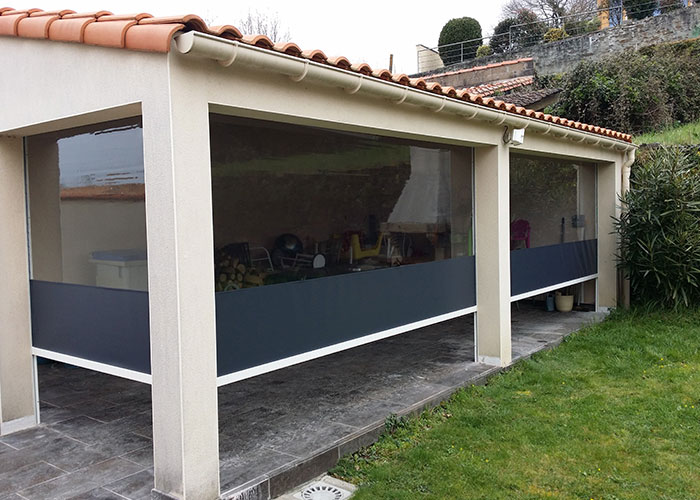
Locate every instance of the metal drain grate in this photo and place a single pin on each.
(323, 491)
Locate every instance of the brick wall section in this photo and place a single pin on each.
(562, 56)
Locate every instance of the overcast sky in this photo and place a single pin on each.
(362, 30)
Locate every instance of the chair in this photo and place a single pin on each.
(519, 231)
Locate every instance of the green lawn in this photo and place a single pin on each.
(681, 134)
(612, 413)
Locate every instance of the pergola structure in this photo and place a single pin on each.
(143, 163)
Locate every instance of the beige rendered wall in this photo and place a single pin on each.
(116, 83)
(44, 207)
(90, 225)
(609, 185)
(17, 398)
(492, 194)
(181, 292)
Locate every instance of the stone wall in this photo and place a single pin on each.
(562, 56)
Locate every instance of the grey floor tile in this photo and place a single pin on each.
(66, 453)
(27, 476)
(142, 456)
(265, 422)
(82, 481)
(51, 414)
(136, 486)
(29, 437)
(250, 466)
(98, 494)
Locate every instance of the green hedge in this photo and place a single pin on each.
(660, 230)
(636, 92)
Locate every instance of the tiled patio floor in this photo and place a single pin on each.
(276, 430)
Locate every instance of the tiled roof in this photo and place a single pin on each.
(148, 33)
(487, 89)
(531, 97)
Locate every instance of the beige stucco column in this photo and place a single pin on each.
(17, 398)
(609, 185)
(492, 239)
(181, 297)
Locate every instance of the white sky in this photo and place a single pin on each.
(362, 30)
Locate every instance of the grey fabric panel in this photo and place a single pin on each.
(99, 324)
(535, 268)
(260, 325)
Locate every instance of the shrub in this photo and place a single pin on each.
(636, 92)
(660, 230)
(457, 30)
(484, 51)
(555, 34)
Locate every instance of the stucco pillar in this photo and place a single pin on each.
(609, 185)
(17, 398)
(492, 241)
(181, 298)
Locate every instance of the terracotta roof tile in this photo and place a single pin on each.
(36, 26)
(259, 41)
(363, 68)
(384, 74)
(291, 49)
(79, 15)
(124, 17)
(155, 38)
(340, 62)
(316, 55)
(69, 29)
(147, 33)
(229, 32)
(9, 23)
(109, 33)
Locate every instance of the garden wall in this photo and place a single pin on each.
(562, 56)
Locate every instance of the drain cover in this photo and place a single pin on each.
(323, 491)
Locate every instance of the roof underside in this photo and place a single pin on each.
(147, 33)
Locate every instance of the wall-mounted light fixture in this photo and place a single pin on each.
(514, 137)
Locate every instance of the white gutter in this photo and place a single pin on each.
(230, 52)
(630, 156)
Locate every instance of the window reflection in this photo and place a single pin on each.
(551, 201)
(87, 210)
(293, 202)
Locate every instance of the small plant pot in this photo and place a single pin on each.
(564, 303)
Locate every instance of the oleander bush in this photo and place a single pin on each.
(659, 231)
(636, 92)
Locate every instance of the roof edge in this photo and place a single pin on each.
(231, 52)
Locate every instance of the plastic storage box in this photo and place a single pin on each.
(126, 269)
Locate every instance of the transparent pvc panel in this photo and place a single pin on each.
(324, 236)
(553, 222)
(87, 228)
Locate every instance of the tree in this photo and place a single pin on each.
(260, 23)
(514, 33)
(462, 29)
(552, 10)
(639, 9)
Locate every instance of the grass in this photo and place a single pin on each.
(612, 413)
(680, 134)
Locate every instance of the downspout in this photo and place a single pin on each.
(231, 52)
(630, 156)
